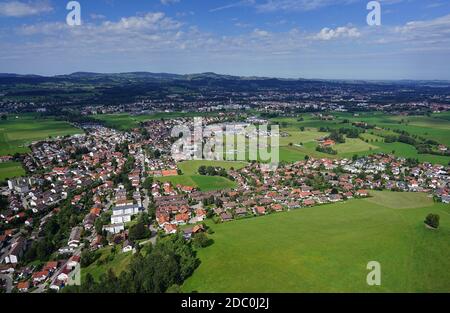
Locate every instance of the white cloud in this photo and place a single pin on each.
(298, 5)
(260, 33)
(167, 2)
(433, 33)
(95, 16)
(439, 27)
(150, 21)
(339, 32)
(237, 4)
(160, 40)
(20, 9)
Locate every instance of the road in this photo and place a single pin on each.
(153, 236)
(8, 280)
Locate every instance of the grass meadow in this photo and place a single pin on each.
(17, 133)
(327, 248)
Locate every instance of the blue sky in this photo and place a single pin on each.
(278, 38)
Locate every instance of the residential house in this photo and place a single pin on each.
(75, 237)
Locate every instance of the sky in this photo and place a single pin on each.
(328, 39)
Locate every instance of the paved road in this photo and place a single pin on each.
(8, 282)
(153, 236)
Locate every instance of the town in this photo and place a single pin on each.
(109, 188)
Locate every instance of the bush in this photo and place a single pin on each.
(201, 240)
(432, 220)
(88, 257)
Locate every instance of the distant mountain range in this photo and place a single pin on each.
(116, 88)
(199, 76)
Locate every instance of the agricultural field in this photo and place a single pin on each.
(327, 248)
(17, 133)
(10, 170)
(435, 127)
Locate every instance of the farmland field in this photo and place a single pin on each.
(435, 127)
(327, 248)
(17, 133)
(10, 170)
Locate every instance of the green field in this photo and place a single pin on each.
(204, 183)
(10, 170)
(191, 177)
(327, 248)
(436, 127)
(126, 121)
(17, 133)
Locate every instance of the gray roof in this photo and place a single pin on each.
(125, 207)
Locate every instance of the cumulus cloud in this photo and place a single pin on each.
(20, 9)
(155, 36)
(339, 32)
(152, 22)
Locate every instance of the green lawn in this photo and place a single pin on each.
(17, 133)
(191, 177)
(327, 248)
(353, 145)
(204, 183)
(10, 170)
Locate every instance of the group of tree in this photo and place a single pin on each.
(350, 132)
(327, 150)
(336, 136)
(201, 240)
(139, 231)
(212, 171)
(432, 220)
(163, 266)
(148, 182)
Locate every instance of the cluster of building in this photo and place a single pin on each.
(102, 174)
